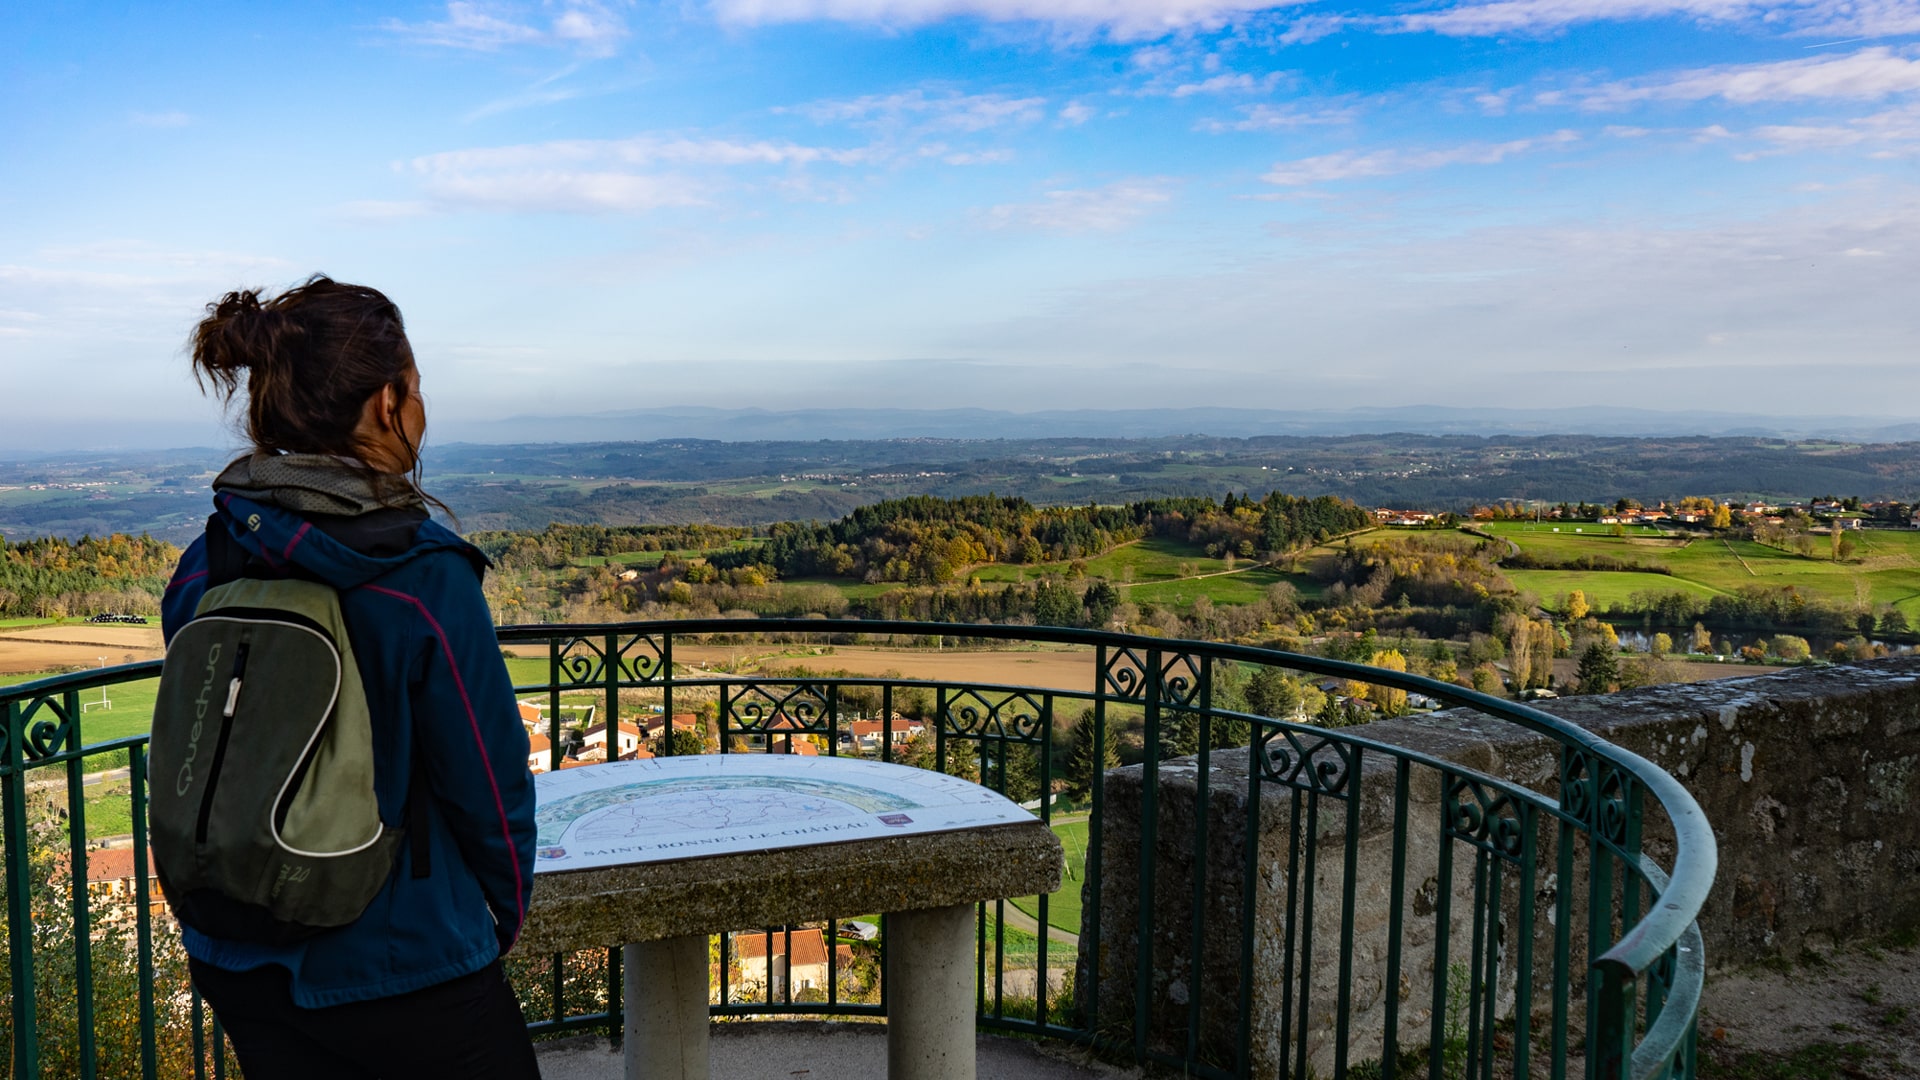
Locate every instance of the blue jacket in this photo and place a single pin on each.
(436, 686)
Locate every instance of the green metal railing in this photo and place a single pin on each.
(1288, 900)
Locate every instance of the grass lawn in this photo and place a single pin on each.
(1884, 569)
(131, 714)
(1063, 907)
(1241, 587)
(1020, 949)
(852, 590)
(1603, 588)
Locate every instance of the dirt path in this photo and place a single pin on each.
(1020, 920)
(1738, 559)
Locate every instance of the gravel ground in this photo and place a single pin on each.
(1853, 1015)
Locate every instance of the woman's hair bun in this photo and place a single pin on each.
(238, 335)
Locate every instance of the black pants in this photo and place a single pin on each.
(469, 1028)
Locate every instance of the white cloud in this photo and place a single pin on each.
(172, 118)
(638, 150)
(1105, 208)
(1353, 165)
(1074, 114)
(927, 111)
(1859, 19)
(1536, 16)
(1279, 118)
(587, 26)
(603, 175)
(1866, 75)
(565, 192)
(1889, 133)
(1229, 84)
(1124, 20)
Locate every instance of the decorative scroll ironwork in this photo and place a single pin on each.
(763, 709)
(1182, 678)
(1324, 765)
(1594, 792)
(1487, 819)
(1021, 717)
(1125, 674)
(46, 737)
(582, 662)
(643, 659)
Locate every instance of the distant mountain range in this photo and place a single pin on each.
(28, 439)
(737, 425)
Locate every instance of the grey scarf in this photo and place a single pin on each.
(317, 484)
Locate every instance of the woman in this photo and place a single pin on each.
(330, 492)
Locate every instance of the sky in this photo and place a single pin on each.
(593, 205)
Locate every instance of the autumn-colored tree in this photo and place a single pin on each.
(1722, 516)
(1791, 648)
(1702, 640)
(1577, 605)
(1661, 645)
(1391, 701)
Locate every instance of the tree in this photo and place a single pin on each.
(1101, 599)
(1056, 605)
(1272, 692)
(1486, 679)
(1893, 623)
(1086, 760)
(1392, 702)
(1661, 645)
(685, 741)
(1599, 670)
(1722, 516)
(1576, 605)
(1702, 640)
(1791, 648)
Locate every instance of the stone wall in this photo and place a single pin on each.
(1810, 777)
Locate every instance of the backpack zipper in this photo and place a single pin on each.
(220, 747)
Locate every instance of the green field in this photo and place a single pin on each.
(131, 712)
(643, 560)
(1603, 588)
(1240, 587)
(1883, 570)
(1063, 907)
(1020, 950)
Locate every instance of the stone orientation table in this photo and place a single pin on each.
(654, 856)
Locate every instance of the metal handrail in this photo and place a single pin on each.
(1667, 931)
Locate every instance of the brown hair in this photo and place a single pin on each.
(309, 359)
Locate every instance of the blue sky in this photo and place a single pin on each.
(1019, 204)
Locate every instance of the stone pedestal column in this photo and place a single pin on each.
(930, 970)
(666, 1006)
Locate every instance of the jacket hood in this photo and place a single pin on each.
(281, 538)
(317, 484)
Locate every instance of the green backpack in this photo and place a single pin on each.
(264, 822)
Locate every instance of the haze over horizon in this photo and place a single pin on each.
(587, 206)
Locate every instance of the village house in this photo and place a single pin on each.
(804, 969)
(111, 882)
(628, 738)
(869, 734)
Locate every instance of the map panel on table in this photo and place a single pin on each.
(658, 809)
